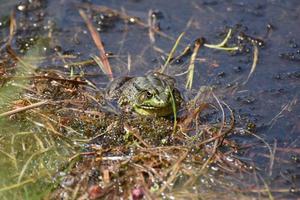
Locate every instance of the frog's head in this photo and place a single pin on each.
(154, 96)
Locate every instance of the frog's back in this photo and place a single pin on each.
(114, 88)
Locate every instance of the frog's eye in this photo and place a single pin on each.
(145, 95)
(149, 95)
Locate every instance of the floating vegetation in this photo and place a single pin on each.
(128, 153)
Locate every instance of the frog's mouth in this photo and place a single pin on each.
(151, 107)
(156, 101)
(157, 105)
(154, 110)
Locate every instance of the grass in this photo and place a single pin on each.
(197, 45)
(254, 63)
(174, 108)
(191, 68)
(172, 53)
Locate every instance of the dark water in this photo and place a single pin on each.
(270, 99)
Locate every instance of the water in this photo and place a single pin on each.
(270, 99)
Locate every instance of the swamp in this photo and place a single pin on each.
(139, 99)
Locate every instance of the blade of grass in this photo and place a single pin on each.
(151, 24)
(254, 63)
(191, 69)
(267, 188)
(272, 158)
(129, 62)
(28, 162)
(100, 64)
(12, 27)
(171, 53)
(17, 185)
(12, 157)
(224, 48)
(174, 110)
(221, 45)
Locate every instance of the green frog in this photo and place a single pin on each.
(151, 95)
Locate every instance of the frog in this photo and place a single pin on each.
(153, 94)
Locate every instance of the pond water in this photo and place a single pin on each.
(269, 99)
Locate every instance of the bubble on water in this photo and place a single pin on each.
(215, 168)
(132, 20)
(229, 159)
(292, 189)
(21, 7)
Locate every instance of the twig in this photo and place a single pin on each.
(261, 139)
(174, 172)
(223, 122)
(286, 107)
(289, 150)
(35, 105)
(191, 115)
